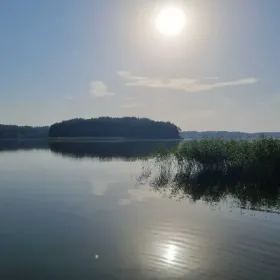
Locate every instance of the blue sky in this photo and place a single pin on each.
(62, 59)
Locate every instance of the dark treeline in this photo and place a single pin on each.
(127, 127)
(25, 132)
(109, 150)
(227, 135)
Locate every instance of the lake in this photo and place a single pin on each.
(76, 211)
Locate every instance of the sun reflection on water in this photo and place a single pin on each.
(170, 253)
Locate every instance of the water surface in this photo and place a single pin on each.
(76, 212)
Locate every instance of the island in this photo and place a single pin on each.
(114, 128)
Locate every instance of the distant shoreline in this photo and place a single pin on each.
(108, 139)
(91, 139)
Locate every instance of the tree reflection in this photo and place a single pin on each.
(23, 144)
(124, 150)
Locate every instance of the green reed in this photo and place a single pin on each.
(260, 157)
(213, 169)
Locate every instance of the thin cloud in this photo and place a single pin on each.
(68, 97)
(132, 105)
(129, 98)
(211, 78)
(99, 89)
(184, 84)
(127, 75)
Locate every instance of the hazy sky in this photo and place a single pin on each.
(62, 59)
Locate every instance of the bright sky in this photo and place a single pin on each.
(62, 59)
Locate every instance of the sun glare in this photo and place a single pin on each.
(170, 21)
(170, 253)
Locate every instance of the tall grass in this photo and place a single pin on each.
(212, 169)
(259, 158)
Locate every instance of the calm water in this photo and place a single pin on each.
(76, 212)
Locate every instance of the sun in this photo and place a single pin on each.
(170, 21)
